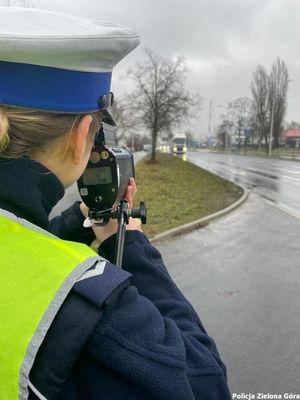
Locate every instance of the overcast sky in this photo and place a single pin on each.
(222, 42)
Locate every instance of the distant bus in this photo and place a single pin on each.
(179, 144)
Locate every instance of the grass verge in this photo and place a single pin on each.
(177, 192)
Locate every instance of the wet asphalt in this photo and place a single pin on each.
(273, 179)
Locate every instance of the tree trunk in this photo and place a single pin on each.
(259, 138)
(276, 139)
(267, 142)
(154, 143)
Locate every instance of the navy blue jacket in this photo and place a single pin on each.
(149, 343)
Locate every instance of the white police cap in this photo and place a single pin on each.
(57, 62)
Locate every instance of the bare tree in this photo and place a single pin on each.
(124, 121)
(260, 109)
(278, 88)
(138, 142)
(160, 99)
(223, 130)
(239, 114)
(293, 125)
(269, 94)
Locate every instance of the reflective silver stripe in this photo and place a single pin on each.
(98, 270)
(46, 322)
(54, 306)
(24, 222)
(36, 392)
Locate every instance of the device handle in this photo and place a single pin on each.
(123, 214)
(122, 221)
(140, 212)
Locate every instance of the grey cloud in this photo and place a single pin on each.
(222, 40)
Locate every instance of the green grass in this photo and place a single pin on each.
(177, 192)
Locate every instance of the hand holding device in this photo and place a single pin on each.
(104, 184)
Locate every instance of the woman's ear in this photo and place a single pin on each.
(80, 137)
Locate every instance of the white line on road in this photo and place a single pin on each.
(290, 178)
(290, 171)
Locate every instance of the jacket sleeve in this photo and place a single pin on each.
(69, 226)
(154, 335)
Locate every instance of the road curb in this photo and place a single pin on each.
(200, 223)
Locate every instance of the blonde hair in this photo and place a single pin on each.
(26, 132)
(4, 125)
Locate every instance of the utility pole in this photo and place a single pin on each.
(225, 132)
(209, 117)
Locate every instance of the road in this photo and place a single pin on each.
(275, 180)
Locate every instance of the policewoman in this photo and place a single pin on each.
(73, 325)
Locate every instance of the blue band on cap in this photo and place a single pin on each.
(52, 89)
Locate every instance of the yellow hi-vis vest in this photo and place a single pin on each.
(38, 271)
